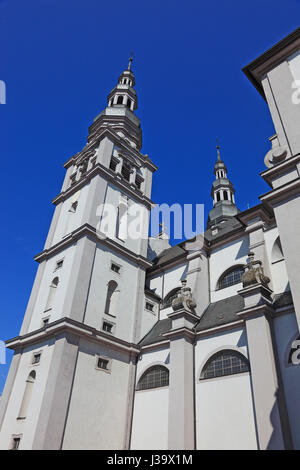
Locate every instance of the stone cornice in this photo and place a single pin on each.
(180, 333)
(69, 326)
(184, 313)
(258, 211)
(281, 194)
(87, 230)
(272, 57)
(110, 176)
(256, 311)
(279, 169)
(217, 329)
(117, 140)
(156, 345)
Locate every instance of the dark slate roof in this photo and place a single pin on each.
(282, 300)
(155, 335)
(221, 312)
(230, 225)
(169, 254)
(217, 313)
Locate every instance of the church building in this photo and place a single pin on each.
(135, 344)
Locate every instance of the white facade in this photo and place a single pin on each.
(189, 349)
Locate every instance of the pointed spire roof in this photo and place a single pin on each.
(222, 193)
(121, 105)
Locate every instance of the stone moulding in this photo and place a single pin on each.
(74, 328)
(97, 237)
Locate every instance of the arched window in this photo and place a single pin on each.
(120, 100)
(225, 196)
(167, 302)
(218, 196)
(129, 103)
(52, 292)
(277, 253)
(111, 298)
(154, 377)
(231, 277)
(226, 362)
(27, 395)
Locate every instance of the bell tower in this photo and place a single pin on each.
(76, 348)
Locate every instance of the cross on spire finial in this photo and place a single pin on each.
(130, 60)
(218, 150)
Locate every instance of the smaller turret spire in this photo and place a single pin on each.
(222, 193)
(129, 64)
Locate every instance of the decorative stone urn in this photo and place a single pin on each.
(184, 300)
(254, 273)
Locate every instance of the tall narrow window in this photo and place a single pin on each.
(120, 100)
(277, 253)
(138, 181)
(225, 196)
(113, 163)
(218, 196)
(111, 304)
(121, 226)
(51, 295)
(129, 103)
(125, 171)
(27, 395)
(15, 442)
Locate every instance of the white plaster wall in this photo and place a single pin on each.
(224, 408)
(98, 407)
(49, 274)
(150, 414)
(294, 64)
(112, 198)
(223, 258)
(280, 282)
(27, 426)
(164, 282)
(77, 217)
(286, 330)
(150, 423)
(128, 286)
(149, 318)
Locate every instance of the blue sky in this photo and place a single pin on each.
(61, 58)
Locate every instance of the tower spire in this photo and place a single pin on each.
(222, 193)
(121, 105)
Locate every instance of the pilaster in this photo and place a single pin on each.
(9, 385)
(54, 410)
(269, 403)
(79, 282)
(181, 429)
